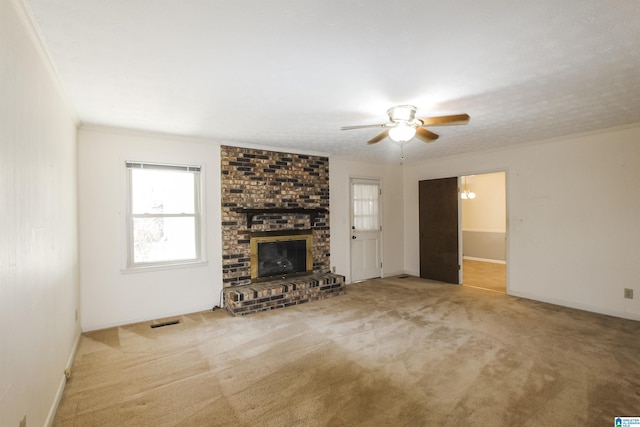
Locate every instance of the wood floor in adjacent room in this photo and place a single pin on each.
(391, 352)
(486, 275)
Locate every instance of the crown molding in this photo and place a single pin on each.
(25, 14)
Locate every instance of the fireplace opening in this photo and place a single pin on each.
(281, 254)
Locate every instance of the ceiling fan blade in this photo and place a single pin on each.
(426, 135)
(378, 138)
(362, 127)
(456, 119)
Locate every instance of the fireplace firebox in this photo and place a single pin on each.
(281, 254)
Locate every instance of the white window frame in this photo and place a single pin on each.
(197, 215)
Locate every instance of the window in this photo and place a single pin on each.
(163, 214)
(365, 205)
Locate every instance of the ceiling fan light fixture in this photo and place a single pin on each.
(403, 126)
(402, 132)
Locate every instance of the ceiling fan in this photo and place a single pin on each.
(403, 125)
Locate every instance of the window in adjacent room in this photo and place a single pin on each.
(163, 214)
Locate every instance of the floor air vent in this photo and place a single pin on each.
(160, 325)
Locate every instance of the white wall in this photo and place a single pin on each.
(390, 175)
(110, 296)
(572, 223)
(39, 290)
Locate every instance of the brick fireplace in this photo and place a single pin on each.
(266, 193)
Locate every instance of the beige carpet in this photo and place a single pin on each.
(396, 352)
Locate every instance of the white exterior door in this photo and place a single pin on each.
(366, 230)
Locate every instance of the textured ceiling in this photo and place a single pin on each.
(289, 73)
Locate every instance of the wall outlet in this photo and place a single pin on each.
(333, 269)
(628, 293)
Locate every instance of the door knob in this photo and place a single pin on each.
(353, 237)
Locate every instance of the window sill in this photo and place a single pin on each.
(161, 267)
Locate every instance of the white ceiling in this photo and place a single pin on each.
(289, 73)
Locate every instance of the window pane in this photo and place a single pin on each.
(161, 191)
(164, 239)
(365, 207)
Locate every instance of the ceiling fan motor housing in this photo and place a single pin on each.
(402, 113)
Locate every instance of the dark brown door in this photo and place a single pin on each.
(438, 216)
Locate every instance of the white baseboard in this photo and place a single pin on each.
(63, 381)
(577, 306)
(393, 273)
(495, 261)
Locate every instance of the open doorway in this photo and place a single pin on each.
(484, 231)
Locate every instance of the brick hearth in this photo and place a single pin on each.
(282, 293)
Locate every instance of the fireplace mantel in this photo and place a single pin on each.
(312, 212)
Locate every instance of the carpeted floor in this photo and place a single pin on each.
(396, 352)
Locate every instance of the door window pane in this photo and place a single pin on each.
(365, 207)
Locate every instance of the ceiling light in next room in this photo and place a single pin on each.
(466, 194)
